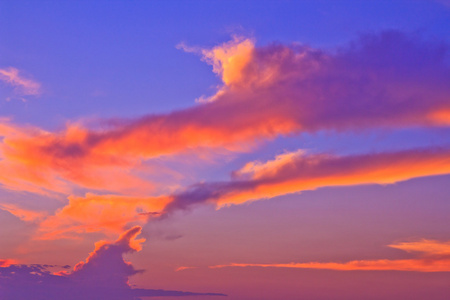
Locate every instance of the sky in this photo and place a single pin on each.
(225, 149)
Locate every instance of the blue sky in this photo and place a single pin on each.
(110, 58)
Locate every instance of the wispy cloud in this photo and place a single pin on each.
(22, 86)
(431, 256)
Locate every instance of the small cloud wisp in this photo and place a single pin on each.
(22, 86)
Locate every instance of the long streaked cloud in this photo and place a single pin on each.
(104, 275)
(22, 86)
(297, 171)
(389, 80)
(431, 256)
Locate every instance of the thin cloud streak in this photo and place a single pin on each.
(433, 256)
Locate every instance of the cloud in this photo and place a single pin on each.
(431, 256)
(7, 262)
(105, 265)
(23, 214)
(104, 275)
(295, 172)
(386, 80)
(32, 161)
(287, 173)
(106, 213)
(230, 59)
(22, 85)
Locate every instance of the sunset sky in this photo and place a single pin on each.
(202, 149)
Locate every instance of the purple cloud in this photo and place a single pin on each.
(104, 275)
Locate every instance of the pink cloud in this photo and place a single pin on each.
(23, 86)
(104, 275)
(23, 214)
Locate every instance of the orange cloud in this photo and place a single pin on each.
(184, 268)
(23, 214)
(428, 247)
(230, 59)
(32, 161)
(295, 172)
(105, 213)
(22, 85)
(7, 262)
(440, 117)
(435, 258)
(257, 169)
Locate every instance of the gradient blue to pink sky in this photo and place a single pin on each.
(209, 149)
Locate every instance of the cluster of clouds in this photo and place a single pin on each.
(389, 80)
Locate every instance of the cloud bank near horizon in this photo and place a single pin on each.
(104, 275)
